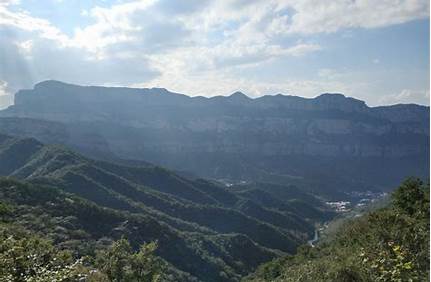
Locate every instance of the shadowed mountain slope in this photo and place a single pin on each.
(332, 139)
(184, 208)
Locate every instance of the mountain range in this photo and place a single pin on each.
(328, 144)
(222, 184)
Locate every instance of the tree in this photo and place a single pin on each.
(120, 263)
(33, 259)
(411, 197)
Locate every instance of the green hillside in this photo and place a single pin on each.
(47, 235)
(203, 229)
(390, 244)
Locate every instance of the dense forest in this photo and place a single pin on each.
(204, 231)
(390, 244)
(48, 235)
(36, 244)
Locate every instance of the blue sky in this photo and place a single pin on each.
(377, 51)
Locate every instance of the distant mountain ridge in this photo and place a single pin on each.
(331, 137)
(162, 97)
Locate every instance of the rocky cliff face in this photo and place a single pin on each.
(180, 131)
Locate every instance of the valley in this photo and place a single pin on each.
(215, 141)
(222, 186)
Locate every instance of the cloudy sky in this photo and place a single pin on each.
(375, 50)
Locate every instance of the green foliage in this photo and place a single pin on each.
(121, 264)
(403, 252)
(5, 210)
(390, 244)
(85, 228)
(31, 258)
(412, 197)
(26, 257)
(81, 204)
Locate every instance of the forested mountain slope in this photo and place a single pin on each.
(390, 244)
(204, 222)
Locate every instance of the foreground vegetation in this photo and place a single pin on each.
(28, 256)
(390, 244)
(204, 230)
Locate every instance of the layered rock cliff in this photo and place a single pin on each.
(234, 136)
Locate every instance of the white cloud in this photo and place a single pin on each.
(215, 82)
(239, 29)
(23, 21)
(407, 96)
(328, 73)
(6, 99)
(25, 47)
(9, 2)
(314, 16)
(112, 26)
(3, 88)
(302, 49)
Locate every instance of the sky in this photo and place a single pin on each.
(373, 50)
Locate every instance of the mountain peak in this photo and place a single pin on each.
(238, 95)
(160, 90)
(331, 96)
(50, 83)
(338, 100)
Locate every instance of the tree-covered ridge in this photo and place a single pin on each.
(202, 227)
(84, 228)
(391, 244)
(28, 257)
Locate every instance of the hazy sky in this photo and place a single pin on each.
(376, 50)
